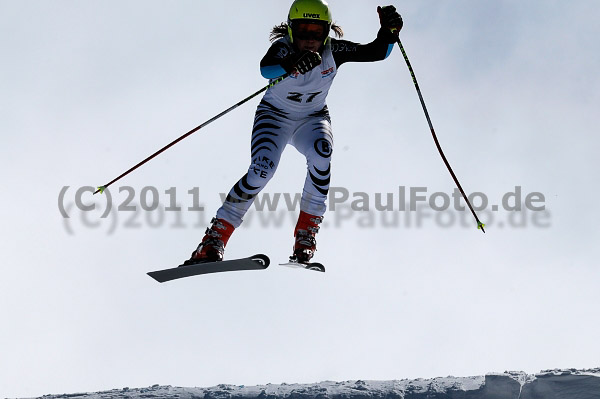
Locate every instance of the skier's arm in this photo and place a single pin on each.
(377, 50)
(271, 65)
(280, 60)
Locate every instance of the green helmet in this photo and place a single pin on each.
(309, 11)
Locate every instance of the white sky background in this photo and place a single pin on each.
(91, 88)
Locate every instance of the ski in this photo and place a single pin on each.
(256, 262)
(318, 267)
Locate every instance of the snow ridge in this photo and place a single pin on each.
(548, 384)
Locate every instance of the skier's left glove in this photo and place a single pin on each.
(390, 19)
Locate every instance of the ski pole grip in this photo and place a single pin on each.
(385, 19)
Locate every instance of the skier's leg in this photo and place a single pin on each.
(269, 137)
(314, 139)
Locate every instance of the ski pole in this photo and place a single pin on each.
(101, 189)
(437, 143)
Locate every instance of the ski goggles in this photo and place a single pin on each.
(309, 31)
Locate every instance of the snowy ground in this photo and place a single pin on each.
(548, 384)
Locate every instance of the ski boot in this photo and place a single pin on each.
(212, 247)
(306, 243)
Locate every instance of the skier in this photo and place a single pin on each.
(294, 112)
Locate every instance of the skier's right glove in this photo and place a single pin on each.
(304, 61)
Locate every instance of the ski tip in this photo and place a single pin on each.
(261, 259)
(318, 267)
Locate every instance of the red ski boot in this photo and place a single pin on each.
(306, 243)
(212, 247)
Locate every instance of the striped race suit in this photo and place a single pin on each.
(294, 112)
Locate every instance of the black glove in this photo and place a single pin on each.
(389, 18)
(306, 61)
